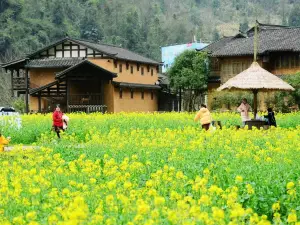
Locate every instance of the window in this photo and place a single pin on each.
(121, 93)
(138, 67)
(127, 66)
(278, 62)
(285, 62)
(151, 72)
(148, 68)
(215, 65)
(293, 61)
(226, 69)
(120, 68)
(131, 93)
(142, 71)
(142, 94)
(115, 63)
(131, 69)
(157, 69)
(236, 68)
(152, 95)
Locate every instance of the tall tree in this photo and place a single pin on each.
(294, 18)
(190, 71)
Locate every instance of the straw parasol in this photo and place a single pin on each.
(256, 79)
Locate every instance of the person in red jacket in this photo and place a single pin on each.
(57, 120)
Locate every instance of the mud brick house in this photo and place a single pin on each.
(278, 52)
(85, 76)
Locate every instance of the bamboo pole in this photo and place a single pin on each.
(255, 42)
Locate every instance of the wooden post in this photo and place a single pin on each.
(180, 99)
(255, 42)
(255, 103)
(40, 102)
(12, 83)
(68, 92)
(27, 91)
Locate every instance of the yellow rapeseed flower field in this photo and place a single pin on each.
(150, 169)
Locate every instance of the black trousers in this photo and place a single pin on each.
(57, 129)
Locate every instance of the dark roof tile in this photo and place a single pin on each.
(53, 62)
(270, 39)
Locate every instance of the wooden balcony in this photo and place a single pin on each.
(19, 83)
(86, 99)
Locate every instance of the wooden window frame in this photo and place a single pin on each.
(142, 94)
(131, 93)
(120, 93)
(142, 71)
(131, 69)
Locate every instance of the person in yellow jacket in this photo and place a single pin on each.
(204, 116)
(3, 141)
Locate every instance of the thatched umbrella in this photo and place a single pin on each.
(256, 79)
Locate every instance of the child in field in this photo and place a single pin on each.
(65, 119)
(204, 116)
(3, 141)
(57, 121)
(271, 118)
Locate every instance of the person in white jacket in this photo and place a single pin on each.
(244, 109)
(65, 119)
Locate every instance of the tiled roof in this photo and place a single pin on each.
(270, 39)
(118, 52)
(135, 85)
(53, 62)
(217, 44)
(163, 79)
(83, 63)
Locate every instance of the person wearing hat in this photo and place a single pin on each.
(57, 120)
(3, 142)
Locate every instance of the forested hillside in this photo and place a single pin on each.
(139, 25)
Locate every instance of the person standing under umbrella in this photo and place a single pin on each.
(244, 109)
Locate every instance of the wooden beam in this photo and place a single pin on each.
(68, 93)
(27, 92)
(12, 83)
(40, 103)
(63, 49)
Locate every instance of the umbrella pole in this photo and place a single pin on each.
(255, 102)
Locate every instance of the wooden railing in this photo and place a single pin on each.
(85, 99)
(87, 108)
(19, 83)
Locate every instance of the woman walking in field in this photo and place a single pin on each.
(244, 109)
(204, 116)
(57, 121)
(3, 142)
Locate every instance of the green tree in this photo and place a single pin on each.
(216, 35)
(294, 18)
(244, 26)
(190, 72)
